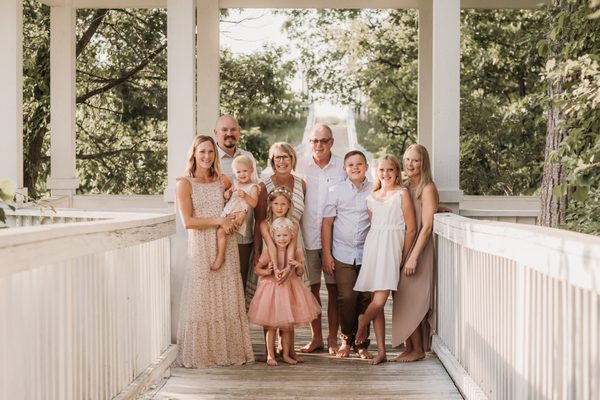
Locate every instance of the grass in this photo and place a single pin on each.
(291, 133)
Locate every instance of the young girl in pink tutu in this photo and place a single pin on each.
(281, 300)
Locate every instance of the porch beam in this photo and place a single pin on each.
(11, 95)
(278, 4)
(207, 73)
(181, 73)
(63, 175)
(439, 93)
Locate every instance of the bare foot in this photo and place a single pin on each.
(289, 360)
(271, 362)
(333, 350)
(343, 351)
(410, 357)
(378, 359)
(312, 346)
(364, 354)
(361, 332)
(294, 355)
(217, 264)
(400, 356)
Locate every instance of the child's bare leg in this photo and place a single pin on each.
(375, 307)
(221, 244)
(271, 347)
(285, 342)
(293, 353)
(379, 325)
(263, 357)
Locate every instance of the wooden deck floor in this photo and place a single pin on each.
(320, 376)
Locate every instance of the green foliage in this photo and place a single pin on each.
(122, 101)
(256, 142)
(8, 189)
(502, 124)
(353, 55)
(36, 95)
(350, 55)
(572, 45)
(255, 88)
(121, 136)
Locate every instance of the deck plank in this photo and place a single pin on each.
(320, 376)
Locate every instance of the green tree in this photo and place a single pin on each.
(122, 98)
(570, 190)
(349, 55)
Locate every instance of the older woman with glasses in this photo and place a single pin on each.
(282, 158)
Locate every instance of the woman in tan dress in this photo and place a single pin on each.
(213, 326)
(413, 317)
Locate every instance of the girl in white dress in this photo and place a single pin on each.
(393, 230)
(242, 195)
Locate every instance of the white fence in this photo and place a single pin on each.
(84, 307)
(518, 309)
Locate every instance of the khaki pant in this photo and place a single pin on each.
(350, 302)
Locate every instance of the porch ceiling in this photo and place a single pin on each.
(297, 3)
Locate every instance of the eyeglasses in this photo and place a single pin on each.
(322, 141)
(284, 157)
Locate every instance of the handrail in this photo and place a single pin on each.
(517, 309)
(85, 306)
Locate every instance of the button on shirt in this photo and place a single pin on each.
(318, 181)
(348, 204)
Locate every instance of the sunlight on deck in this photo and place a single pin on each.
(320, 376)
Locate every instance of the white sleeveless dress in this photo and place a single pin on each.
(382, 255)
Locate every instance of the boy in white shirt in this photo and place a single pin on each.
(343, 243)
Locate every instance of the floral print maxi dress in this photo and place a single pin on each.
(213, 326)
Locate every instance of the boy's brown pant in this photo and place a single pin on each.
(350, 303)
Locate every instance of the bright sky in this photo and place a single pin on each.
(257, 28)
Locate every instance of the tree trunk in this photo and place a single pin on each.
(552, 207)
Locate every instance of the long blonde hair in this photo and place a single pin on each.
(426, 177)
(394, 160)
(273, 194)
(215, 168)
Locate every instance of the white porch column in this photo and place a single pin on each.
(208, 65)
(181, 58)
(11, 94)
(181, 74)
(439, 92)
(63, 175)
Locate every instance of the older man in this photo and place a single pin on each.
(227, 133)
(321, 170)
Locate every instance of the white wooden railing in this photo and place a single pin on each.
(84, 306)
(518, 309)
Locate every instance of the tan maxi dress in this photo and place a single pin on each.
(213, 326)
(414, 302)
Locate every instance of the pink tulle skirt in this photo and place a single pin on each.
(288, 305)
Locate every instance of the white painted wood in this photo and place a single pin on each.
(518, 308)
(11, 94)
(425, 106)
(181, 58)
(207, 65)
(63, 177)
(83, 321)
(519, 4)
(445, 98)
